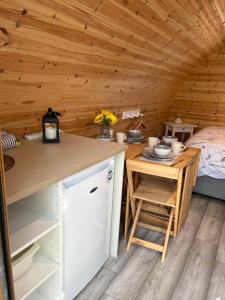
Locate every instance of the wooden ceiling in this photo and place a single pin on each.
(80, 56)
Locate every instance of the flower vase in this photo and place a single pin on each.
(105, 131)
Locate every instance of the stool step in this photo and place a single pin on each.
(153, 228)
(147, 244)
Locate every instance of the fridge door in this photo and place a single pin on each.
(87, 225)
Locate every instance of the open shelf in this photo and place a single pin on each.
(36, 296)
(42, 268)
(27, 226)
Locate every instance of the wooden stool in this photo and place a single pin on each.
(158, 197)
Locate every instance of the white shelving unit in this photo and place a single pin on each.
(36, 296)
(38, 218)
(40, 271)
(27, 226)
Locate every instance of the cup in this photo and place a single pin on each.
(120, 137)
(177, 147)
(152, 141)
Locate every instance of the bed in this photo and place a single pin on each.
(211, 173)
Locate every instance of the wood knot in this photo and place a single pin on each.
(24, 12)
(4, 30)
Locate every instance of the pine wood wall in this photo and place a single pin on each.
(200, 100)
(79, 56)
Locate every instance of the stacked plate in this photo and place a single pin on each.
(136, 140)
(151, 155)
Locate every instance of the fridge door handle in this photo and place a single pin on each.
(93, 190)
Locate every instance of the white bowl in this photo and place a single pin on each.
(135, 133)
(169, 139)
(162, 150)
(23, 261)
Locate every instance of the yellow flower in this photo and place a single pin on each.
(113, 118)
(105, 118)
(105, 113)
(98, 119)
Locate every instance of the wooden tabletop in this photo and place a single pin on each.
(134, 150)
(38, 165)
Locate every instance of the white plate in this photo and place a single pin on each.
(135, 142)
(135, 139)
(151, 154)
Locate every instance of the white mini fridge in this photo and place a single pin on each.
(87, 225)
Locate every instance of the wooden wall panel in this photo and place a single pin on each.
(201, 98)
(79, 56)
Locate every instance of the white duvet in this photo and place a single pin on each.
(211, 140)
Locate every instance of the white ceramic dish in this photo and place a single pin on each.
(23, 261)
(135, 142)
(134, 133)
(162, 151)
(135, 139)
(169, 139)
(150, 154)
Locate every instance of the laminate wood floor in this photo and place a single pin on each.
(194, 268)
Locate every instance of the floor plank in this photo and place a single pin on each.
(129, 281)
(221, 249)
(195, 279)
(97, 286)
(191, 225)
(210, 230)
(163, 278)
(115, 264)
(217, 284)
(199, 203)
(216, 209)
(106, 297)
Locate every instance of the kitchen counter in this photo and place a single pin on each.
(39, 165)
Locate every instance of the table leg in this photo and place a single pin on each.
(182, 137)
(166, 132)
(173, 132)
(127, 214)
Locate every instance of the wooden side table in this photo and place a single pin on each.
(188, 181)
(182, 128)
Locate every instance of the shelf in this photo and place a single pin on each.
(26, 227)
(35, 296)
(42, 268)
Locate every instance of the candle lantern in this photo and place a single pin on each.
(50, 125)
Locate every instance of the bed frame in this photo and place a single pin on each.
(209, 186)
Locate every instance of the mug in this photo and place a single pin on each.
(177, 147)
(152, 141)
(120, 137)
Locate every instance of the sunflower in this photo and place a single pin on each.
(105, 118)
